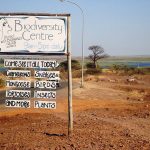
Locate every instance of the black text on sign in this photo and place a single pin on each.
(45, 84)
(18, 83)
(45, 94)
(17, 103)
(18, 73)
(18, 63)
(45, 104)
(51, 75)
(18, 93)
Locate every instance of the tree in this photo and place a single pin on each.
(97, 53)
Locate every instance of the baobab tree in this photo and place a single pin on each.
(97, 53)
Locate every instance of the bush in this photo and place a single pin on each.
(74, 64)
(92, 71)
(123, 69)
(146, 70)
(90, 65)
(2, 82)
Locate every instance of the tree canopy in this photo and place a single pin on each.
(97, 53)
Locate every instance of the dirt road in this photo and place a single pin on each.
(108, 114)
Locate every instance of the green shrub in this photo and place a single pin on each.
(93, 71)
(90, 65)
(123, 69)
(74, 64)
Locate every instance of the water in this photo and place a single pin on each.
(129, 64)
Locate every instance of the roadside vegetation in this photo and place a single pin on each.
(76, 69)
(125, 70)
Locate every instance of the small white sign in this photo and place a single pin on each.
(45, 84)
(18, 93)
(18, 83)
(45, 104)
(19, 63)
(45, 94)
(18, 73)
(51, 75)
(17, 103)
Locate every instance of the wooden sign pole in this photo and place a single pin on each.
(70, 114)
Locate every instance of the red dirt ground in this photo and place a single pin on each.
(109, 113)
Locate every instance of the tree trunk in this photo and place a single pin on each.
(94, 63)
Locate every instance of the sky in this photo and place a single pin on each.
(121, 27)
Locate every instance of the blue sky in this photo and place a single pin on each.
(121, 27)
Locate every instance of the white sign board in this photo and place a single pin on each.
(18, 73)
(17, 103)
(18, 83)
(19, 63)
(45, 104)
(33, 34)
(51, 75)
(45, 84)
(45, 94)
(18, 93)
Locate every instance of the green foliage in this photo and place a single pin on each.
(93, 71)
(90, 65)
(123, 69)
(74, 64)
(2, 82)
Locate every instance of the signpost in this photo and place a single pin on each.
(35, 34)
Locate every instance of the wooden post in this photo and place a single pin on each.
(70, 114)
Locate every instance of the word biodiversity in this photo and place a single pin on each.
(27, 29)
(18, 63)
